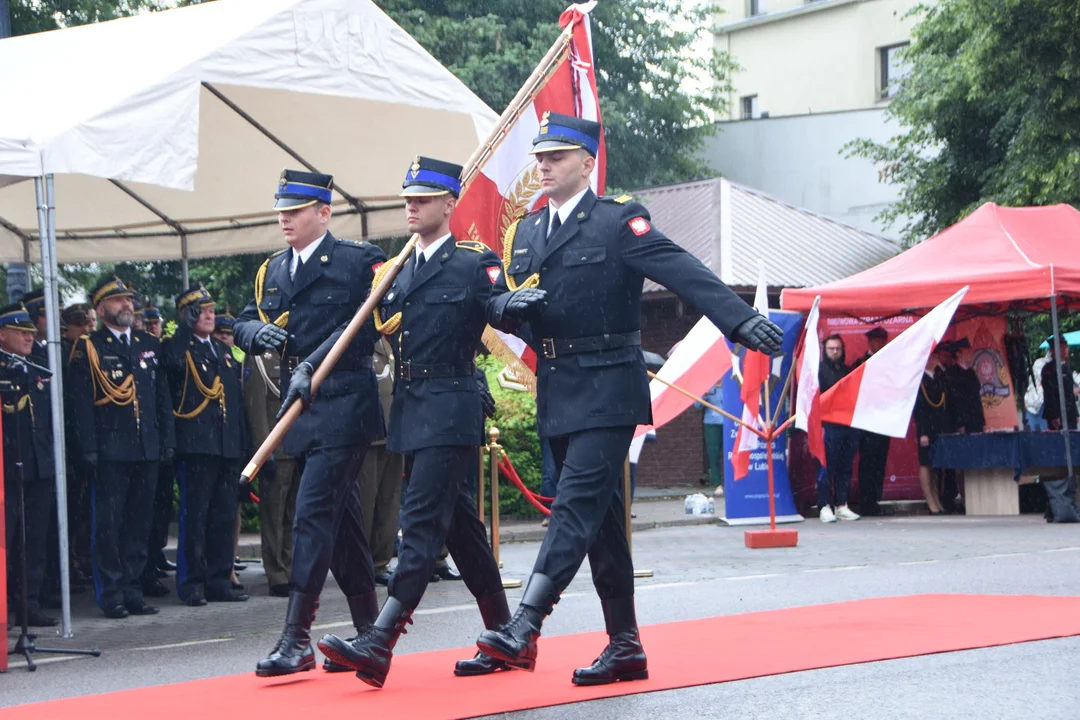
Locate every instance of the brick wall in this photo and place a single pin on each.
(677, 457)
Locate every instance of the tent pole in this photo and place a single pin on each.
(1061, 383)
(47, 233)
(184, 259)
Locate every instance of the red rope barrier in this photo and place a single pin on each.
(508, 470)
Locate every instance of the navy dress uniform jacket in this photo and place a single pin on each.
(220, 429)
(593, 269)
(324, 295)
(443, 310)
(114, 431)
(35, 423)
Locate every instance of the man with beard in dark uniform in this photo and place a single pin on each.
(302, 294)
(572, 282)
(435, 312)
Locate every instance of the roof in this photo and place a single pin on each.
(1004, 255)
(731, 227)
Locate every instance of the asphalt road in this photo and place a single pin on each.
(699, 572)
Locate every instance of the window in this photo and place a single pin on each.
(750, 108)
(757, 7)
(894, 69)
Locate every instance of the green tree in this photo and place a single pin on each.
(31, 16)
(990, 112)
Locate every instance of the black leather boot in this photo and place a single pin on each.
(515, 642)
(370, 653)
(623, 658)
(496, 613)
(293, 652)
(364, 609)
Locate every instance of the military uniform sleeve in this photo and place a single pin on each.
(489, 272)
(173, 350)
(650, 252)
(496, 304)
(247, 324)
(80, 397)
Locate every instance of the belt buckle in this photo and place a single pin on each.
(406, 370)
(549, 348)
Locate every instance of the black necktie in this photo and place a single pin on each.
(421, 258)
(555, 225)
(124, 342)
(299, 264)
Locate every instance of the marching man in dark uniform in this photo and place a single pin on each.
(572, 286)
(122, 414)
(436, 309)
(302, 294)
(157, 565)
(28, 439)
(211, 445)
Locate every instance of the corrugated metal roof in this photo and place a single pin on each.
(800, 248)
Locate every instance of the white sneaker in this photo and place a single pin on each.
(719, 491)
(826, 515)
(843, 512)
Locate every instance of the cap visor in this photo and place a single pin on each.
(553, 146)
(293, 203)
(422, 191)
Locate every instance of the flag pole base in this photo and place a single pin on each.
(643, 573)
(761, 539)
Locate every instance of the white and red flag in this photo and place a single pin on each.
(808, 400)
(755, 374)
(880, 394)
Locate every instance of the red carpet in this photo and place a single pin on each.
(681, 654)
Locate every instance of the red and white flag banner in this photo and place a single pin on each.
(755, 380)
(808, 399)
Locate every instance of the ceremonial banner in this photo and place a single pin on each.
(747, 500)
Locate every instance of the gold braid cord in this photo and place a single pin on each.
(260, 283)
(393, 323)
(506, 356)
(215, 392)
(120, 395)
(508, 255)
(24, 401)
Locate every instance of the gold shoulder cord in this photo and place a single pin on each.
(260, 282)
(214, 392)
(508, 255)
(120, 395)
(24, 401)
(939, 403)
(392, 324)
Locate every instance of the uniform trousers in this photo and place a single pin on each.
(122, 498)
(873, 454)
(439, 510)
(163, 513)
(587, 517)
(277, 510)
(328, 531)
(204, 557)
(841, 444)
(38, 502)
(380, 501)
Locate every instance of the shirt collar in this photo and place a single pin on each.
(307, 252)
(116, 333)
(431, 249)
(565, 209)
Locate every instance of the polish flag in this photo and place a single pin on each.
(808, 400)
(697, 363)
(880, 394)
(755, 372)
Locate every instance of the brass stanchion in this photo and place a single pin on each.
(626, 510)
(494, 452)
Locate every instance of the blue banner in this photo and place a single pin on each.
(747, 501)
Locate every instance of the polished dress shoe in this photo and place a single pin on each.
(36, 618)
(281, 590)
(383, 577)
(116, 612)
(238, 566)
(229, 595)
(364, 609)
(166, 565)
(445, 572)
(138, 607)
(160, 574)
(624, 657)
(370, 653)
(155, 589)
(237, 586)
(496, 613)
(195, 599)
(515, 642)
(293, 652)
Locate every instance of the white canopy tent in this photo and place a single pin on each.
(167, 132)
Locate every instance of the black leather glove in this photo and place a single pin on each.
(191, 315)
(759, 333)
(90, 459)
(486, 400)
(269, 337)
(299, 387)
(167, 454)
(522, 300)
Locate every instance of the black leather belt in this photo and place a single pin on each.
(409, 370)
(292, 361)
(553, 347)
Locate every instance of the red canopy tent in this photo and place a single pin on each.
(1005, 255)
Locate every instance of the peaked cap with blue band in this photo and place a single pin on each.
(16, 317)
(34, 302)
(193, 295)
(298, 189)
(428, 177)
(224, 323)
(151, 313)
(109, 288)
(566, 132)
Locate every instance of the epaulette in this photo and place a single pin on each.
(530, 213)
(354, 243)
(622, 199)
(279, 252)
(474, 245)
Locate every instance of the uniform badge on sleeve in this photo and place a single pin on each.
(640, 226)
(375, 267)
(493, 273)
